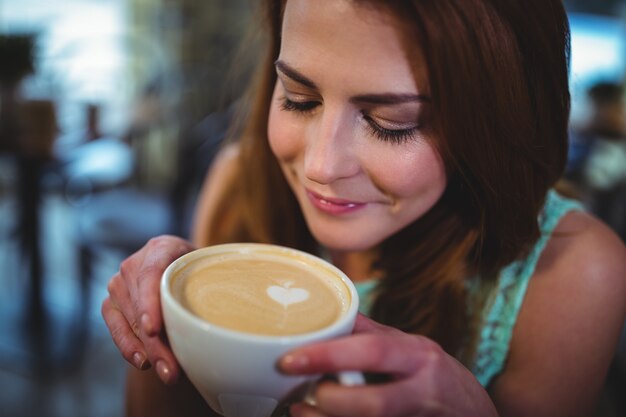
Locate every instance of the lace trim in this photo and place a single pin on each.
(502, 309)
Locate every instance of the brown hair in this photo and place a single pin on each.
(499, 86)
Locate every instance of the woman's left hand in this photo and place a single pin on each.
(423, 379)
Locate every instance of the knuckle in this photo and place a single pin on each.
(127, 266)
(433, 350)
(432, 353)
(116, 330)
(168, 243)
(105, 307)
(158, 241)
(154, 242)
(113, 284)
(125, 342)
(134, 326)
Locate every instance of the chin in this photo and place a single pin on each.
(345, 241)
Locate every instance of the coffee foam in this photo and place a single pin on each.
(269, 294)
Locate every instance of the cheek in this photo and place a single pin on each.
(419, 172)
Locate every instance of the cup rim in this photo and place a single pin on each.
(167, 297)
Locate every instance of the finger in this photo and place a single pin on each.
(394, 399)
(161, 252)
(119, 296)
(130, 346)
(162, 358)
(146, 300)
(398, 354)
(140, 307)
(148, 349)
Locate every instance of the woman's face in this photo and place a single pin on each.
(350, 124)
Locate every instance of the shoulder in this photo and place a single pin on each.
(569, 323)
(584, 270)
(583, 253)
(216, 185)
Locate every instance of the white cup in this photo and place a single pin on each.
(236, 372)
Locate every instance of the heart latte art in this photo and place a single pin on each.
(286, 295)
(267, 296)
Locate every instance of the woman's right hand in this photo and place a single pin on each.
(132, 311)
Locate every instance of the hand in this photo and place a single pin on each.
(132, 311)
(422, 380)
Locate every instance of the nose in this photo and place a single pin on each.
(330, 150)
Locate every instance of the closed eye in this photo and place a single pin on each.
(298, 106)
(390, 135)
(396, 136)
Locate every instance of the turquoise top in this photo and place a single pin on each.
(502, 307)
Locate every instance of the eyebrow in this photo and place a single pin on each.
(294, 75)
(382, 98)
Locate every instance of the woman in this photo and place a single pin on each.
(415, 144)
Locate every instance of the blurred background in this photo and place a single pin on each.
(120, 106)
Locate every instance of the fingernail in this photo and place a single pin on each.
(146, 324)
(163, 371)
(294, 363)
(139, 359)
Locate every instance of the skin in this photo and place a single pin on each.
(570, 319)
(332, 102)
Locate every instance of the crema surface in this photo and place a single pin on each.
(268, 297)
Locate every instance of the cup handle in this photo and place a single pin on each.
(347, 378)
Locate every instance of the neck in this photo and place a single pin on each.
(356, 265)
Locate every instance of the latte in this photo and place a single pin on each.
(262, 293)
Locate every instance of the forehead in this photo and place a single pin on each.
(351, 40)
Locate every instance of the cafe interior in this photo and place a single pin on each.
(121, 106)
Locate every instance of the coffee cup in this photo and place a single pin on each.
(232, 310)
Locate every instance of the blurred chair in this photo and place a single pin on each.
(36, 130)
(28, 130)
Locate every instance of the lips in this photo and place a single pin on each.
(334, 206)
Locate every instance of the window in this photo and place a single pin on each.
(81, 57)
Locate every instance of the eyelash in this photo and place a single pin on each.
(297, 106)
(397, 136)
